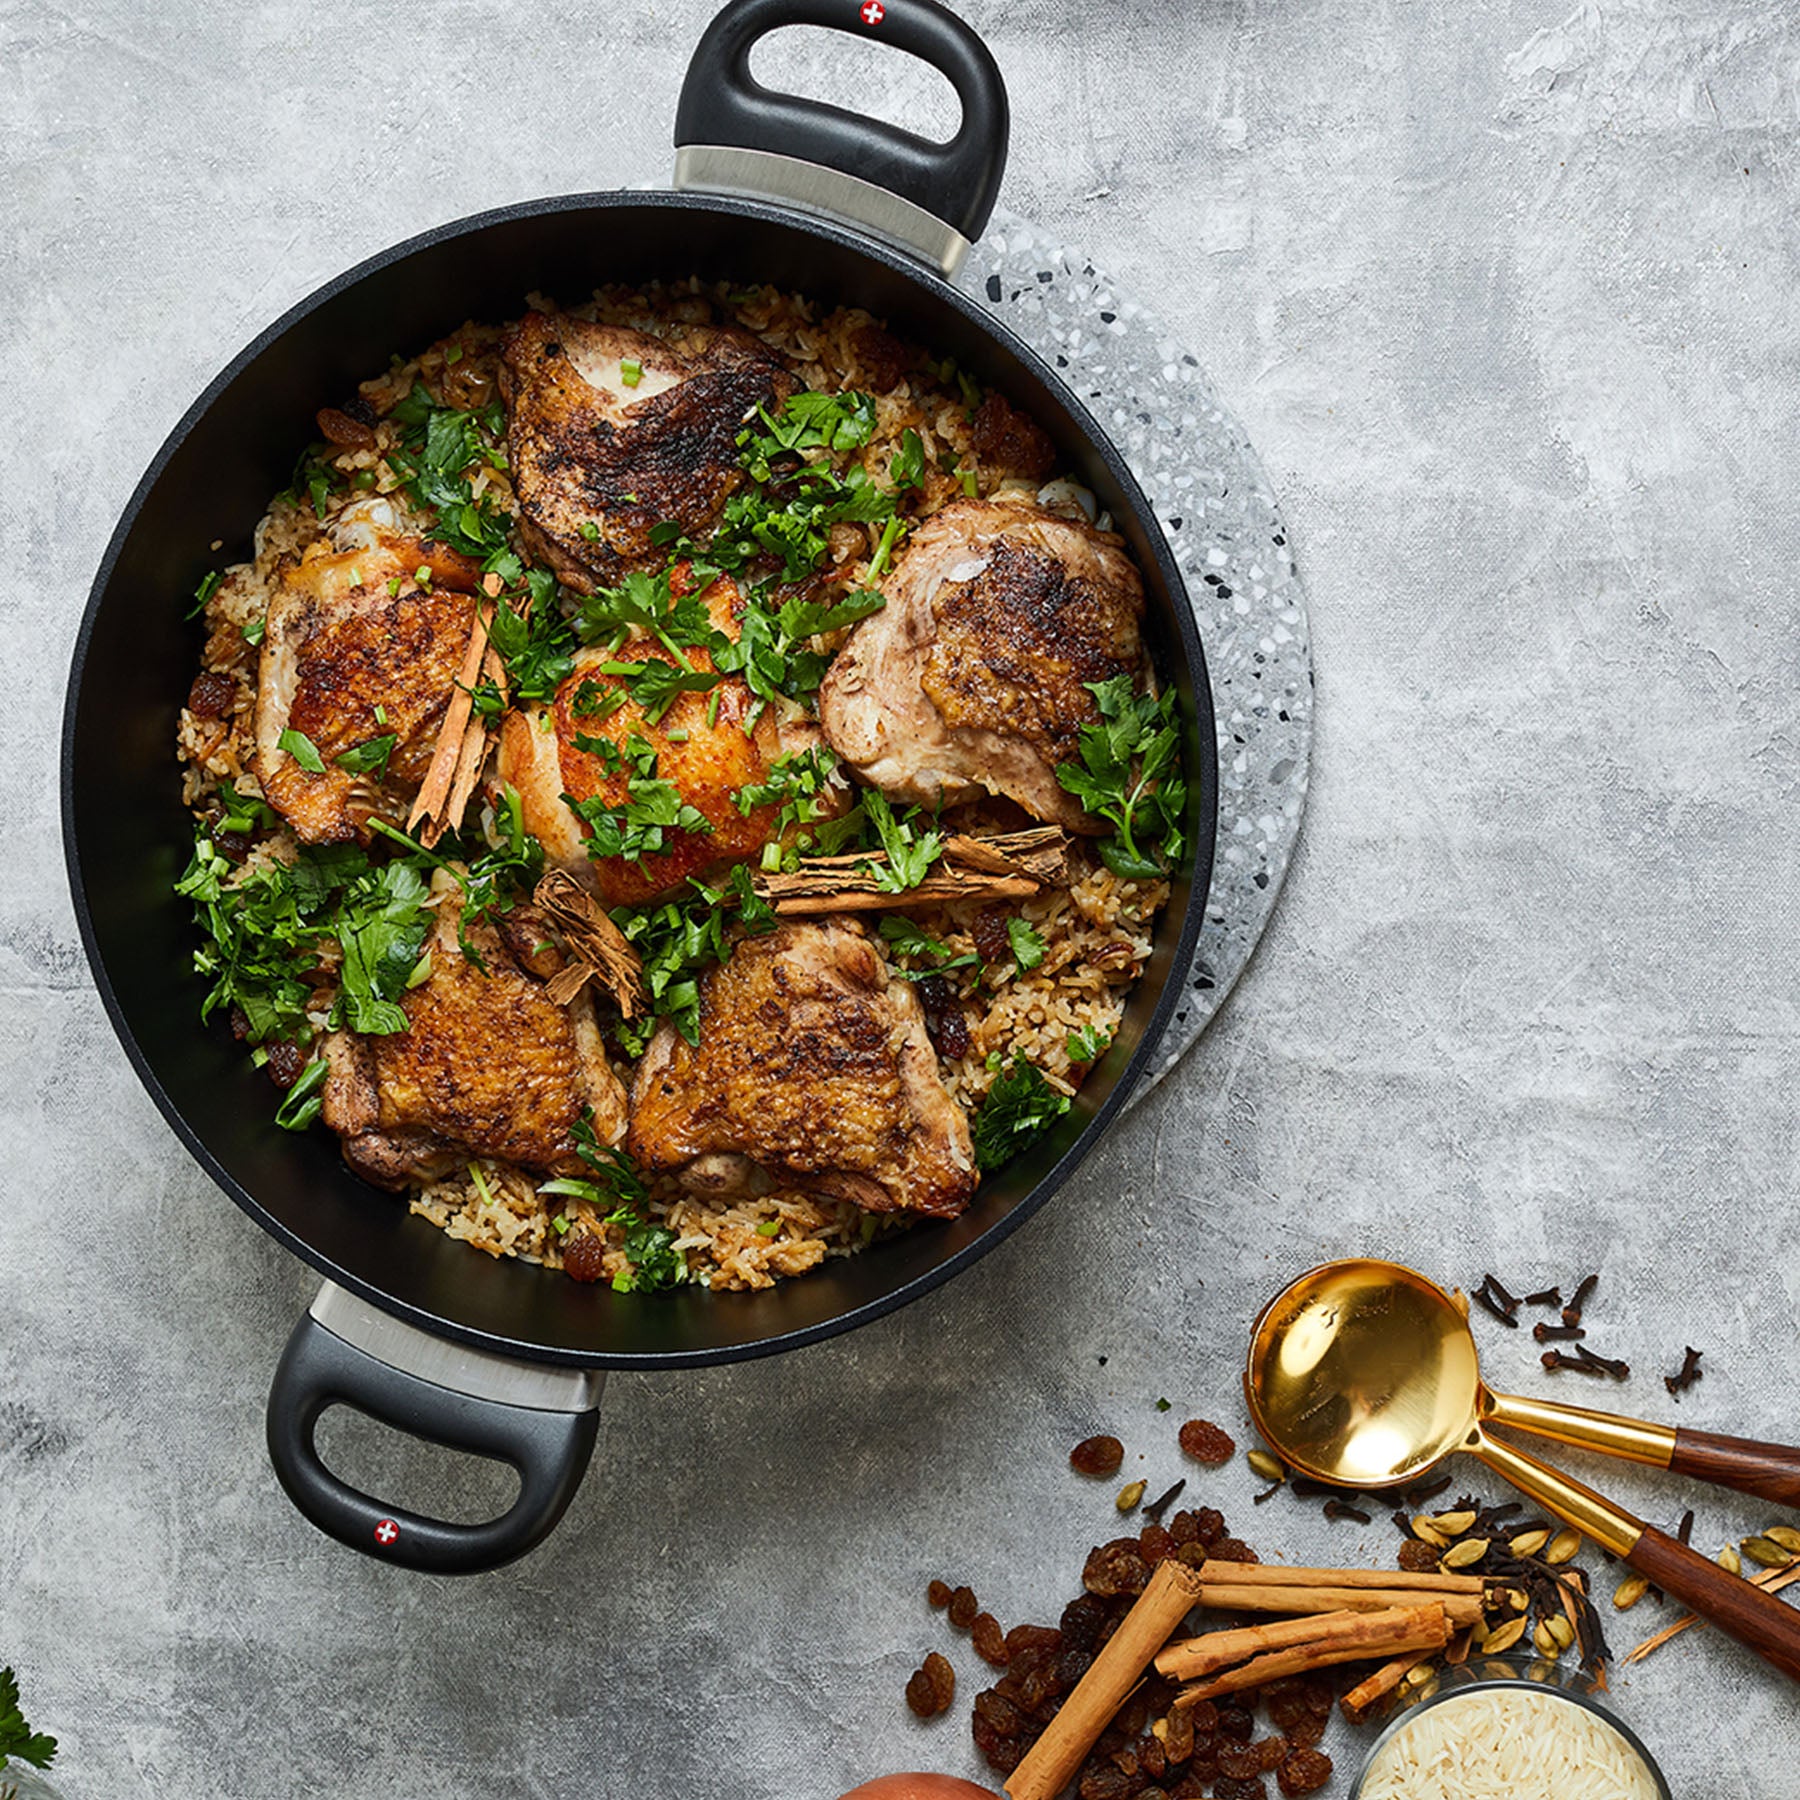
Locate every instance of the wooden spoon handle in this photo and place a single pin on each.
(1771, 1470)
(1769, 1626)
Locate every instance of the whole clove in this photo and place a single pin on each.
(1493, 1298)
(1549, 1334)
(1617, 1368)
(1557, 1359)
(1342, 1509)
(1550, 1296)
(1155, 1509)
(1572, 1312)
(1267, 1493)
(1684, 1377)
(1416, 1496)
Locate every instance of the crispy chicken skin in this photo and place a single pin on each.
(707, 763)
(598, 461)
(336, 645)
(813, 1069)
(489, 1066)
(974, 674)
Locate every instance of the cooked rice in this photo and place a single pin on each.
(1097, 932)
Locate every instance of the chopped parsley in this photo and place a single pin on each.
(537, 646)
(1089, 1044)
(799, 783)
(654, 1262)
(303, 750)
(1019, 1108)
(303, 1102)
(381, 924)
(1129, 775)
(1027, 945)
(910, 851)
(904, 938)
(16, 1736)
(907, 470)
(440, 447)
(653, 806)
(369, 758)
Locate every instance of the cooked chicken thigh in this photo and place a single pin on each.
(701, 750)
(974, 675)
(488, 1066)
(364, 640)
(613, 431)
(814, 1070)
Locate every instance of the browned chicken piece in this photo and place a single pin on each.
(488, 1066)
(707, 759)
(381, 624)
(813, 1070)
(613, 431)
(974, 675)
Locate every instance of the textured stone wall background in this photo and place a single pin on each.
(1506, 295)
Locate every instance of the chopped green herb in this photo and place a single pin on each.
(907, 470)
(1129, 775)
(303, 750)
(649, 1249)
(209, 585)
(1089, 1044)
(1162, 1406)
(631, 373)
(303, 1102)
(590, 531)
(381, 925)
(1019, 1107)
(16, 1737)
(370, 758)
(904, 938)
(910, 853)
(653, 807)
(255, 629)
(1027, 946)
(769, 1228)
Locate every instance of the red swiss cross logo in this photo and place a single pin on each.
(386, 1532)
(873, 12)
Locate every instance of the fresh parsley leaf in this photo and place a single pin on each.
(904, 938)
(907, 470)
(1089, 1044)
(302, 749)
(537, 648)
(910, 854)
(656, 685)
(1027, 946)
(799, 783)
(653, 807)
(304, 1102)
(1130, 775)
(1019, 1107)
(16, 1736)
(209, 585)
(369, 758)
(381, 925)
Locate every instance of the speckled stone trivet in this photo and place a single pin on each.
(1215, 502)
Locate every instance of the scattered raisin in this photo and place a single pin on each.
(1000, 1713)
(1205, 1442)
(932, 1686)
(211, 695)
(583, 1256)
(995, 944)
(1239, 1761)
(1156, 1544)
(1304, 1772)
(1230, 1549)
(1306, 1731)
(1250, 1788)
(1081, 1622)
(1236, 1722)
(949, 1032)
(1418, 1557)
(938, 1593)
(1107, 1783)
(963, 1608)
(1009, 440)
(1002, 1753)
(1203, 1719)
(1116, 1568)
(1097, 1456)
(341, 429)
(285, 1061)
(989, 1639)
(1032, 1637)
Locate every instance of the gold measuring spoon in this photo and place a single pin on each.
(1365, 1374)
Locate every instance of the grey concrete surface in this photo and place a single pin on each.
(1506, 295)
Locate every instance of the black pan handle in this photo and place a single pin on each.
(548, 1446)
(724, 105)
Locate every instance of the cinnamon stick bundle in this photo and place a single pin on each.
(456, 761)
(1359, 1702)
(1460, 1608)
(598, 949)
(1010, 865)
(1369, 1635)
(1236, 1574)
(1050, 1764)
(1190, 1658)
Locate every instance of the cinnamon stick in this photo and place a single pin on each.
(1193, 1657)
(1050, 1764)
(1236, 1574)
(434, 799)
(1378, 1634)
(1011, 865)
(1461, 1609)
(598, 949)
(1360, 1701)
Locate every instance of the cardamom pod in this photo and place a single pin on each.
(1424, 1527)
(1729, 1561)
(1266, 1466)
(1563, 1547)
(1129, 1495)
(1452, 1524)
(1785, 1535)
(1630, 1591)
(1517, 1599)
(1561, 1630)
(1460, 1555)
(1528, 1543)
(1503, 1637)
(1545, 1639)
(1767, 1552)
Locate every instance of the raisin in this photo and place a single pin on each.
(1001, 1714)
(1032, 1637)
(1107, 1783)
(345, 432)
(1250, 1788)
(1151, 1758)
(1097, 1456)
(989, 1639)
(1418, 1557)
(995, 944)
(1071, 1665)
(1190, 1787)
(1319, 1696)
(1184, 1528)
(233, 845)
(1306, 1731)
(1006, 438)
(211, 695)
(360, 410)
(931, 1687)
(1239, 1761)
(1271, 1750)
(1156, 1544)
(1236, 1722)
(963, 1608)
(1036, 1683)
(938, 1593)
(1116, 1568)
(1205, 1442)
(1209, 1524)
(1153, 1792)
(285, 1062)
(1203, 1719)
(884, 358)
(1003, 1753)
(1285, 1700)
(949, 1032)
(1304, 1772)
(583, 1256)
(1230, 1549)
(1081, 1622)
(1126, 1760)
